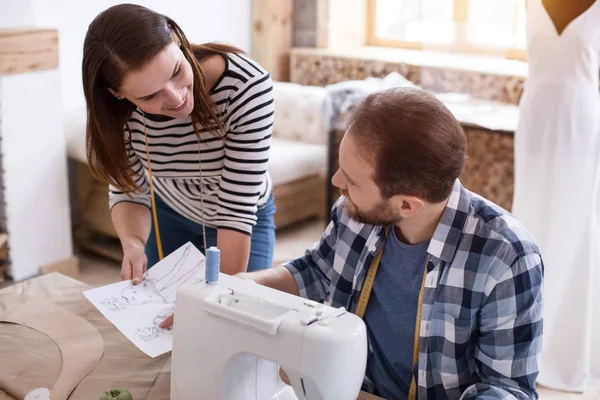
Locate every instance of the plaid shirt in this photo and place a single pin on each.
(481, 325)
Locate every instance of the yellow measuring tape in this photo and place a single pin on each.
(154, 216)
(363, 301)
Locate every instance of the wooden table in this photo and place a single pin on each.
(153, 384)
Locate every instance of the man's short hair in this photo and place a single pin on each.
(417, 145)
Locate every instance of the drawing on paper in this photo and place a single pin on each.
(160, 318)
(148, 334)
(114, 304)
(138, 310)
(162, 289)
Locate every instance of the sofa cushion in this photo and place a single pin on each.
(290, 160)
(299, 113)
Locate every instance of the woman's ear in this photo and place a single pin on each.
(117, 95)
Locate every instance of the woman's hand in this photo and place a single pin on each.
(132, 223)
(134, 262)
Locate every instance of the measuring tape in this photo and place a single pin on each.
(363, 301)
(412, 392)
(365, 293)
(155, 217)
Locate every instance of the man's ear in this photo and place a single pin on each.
(408, 205)
(117, 95)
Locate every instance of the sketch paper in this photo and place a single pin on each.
(138, 310)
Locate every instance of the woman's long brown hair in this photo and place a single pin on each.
(125, 38)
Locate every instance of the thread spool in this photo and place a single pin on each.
(38, 394)
(213, 265)
(116, 394)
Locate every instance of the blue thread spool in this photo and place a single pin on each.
(213, 265)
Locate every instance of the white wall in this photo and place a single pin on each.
(16, 13)
(35, 172)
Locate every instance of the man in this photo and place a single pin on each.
(455, 307)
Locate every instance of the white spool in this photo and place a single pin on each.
(38, 394)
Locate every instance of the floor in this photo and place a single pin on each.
(291, 243)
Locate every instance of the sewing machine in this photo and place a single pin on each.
(231, 337)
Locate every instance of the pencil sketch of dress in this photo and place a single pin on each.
(162, 289)
(138, 310)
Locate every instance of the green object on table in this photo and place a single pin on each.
(116, 394)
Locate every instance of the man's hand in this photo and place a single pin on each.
(167, 323)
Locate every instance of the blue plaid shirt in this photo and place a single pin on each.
(481, 325)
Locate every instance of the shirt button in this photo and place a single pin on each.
(372, 248)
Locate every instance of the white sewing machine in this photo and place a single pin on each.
(231, 336)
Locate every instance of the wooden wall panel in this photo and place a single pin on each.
(26, 50)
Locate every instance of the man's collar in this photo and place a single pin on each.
(445, 239)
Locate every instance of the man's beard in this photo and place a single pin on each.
(382, 214)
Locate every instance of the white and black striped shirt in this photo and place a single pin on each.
(235, 181)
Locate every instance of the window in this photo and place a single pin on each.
(468, 26)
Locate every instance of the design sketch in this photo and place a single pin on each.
(162, 289)
(114, 304)
(152, 332)
(138, 310)
(148, 334)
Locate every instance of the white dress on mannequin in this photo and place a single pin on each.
(557, 188)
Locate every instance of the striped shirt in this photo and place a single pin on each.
(481, 323)
(235, 182)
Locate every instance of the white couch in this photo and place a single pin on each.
(297, 164)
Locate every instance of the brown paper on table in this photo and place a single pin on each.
(80, 344)
(122, 364)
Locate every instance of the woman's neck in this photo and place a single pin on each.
(213, 67)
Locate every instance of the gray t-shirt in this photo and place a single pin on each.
(391, 316)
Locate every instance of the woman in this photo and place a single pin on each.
(181, 133)
(557, 182)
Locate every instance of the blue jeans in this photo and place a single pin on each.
(176, 230)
